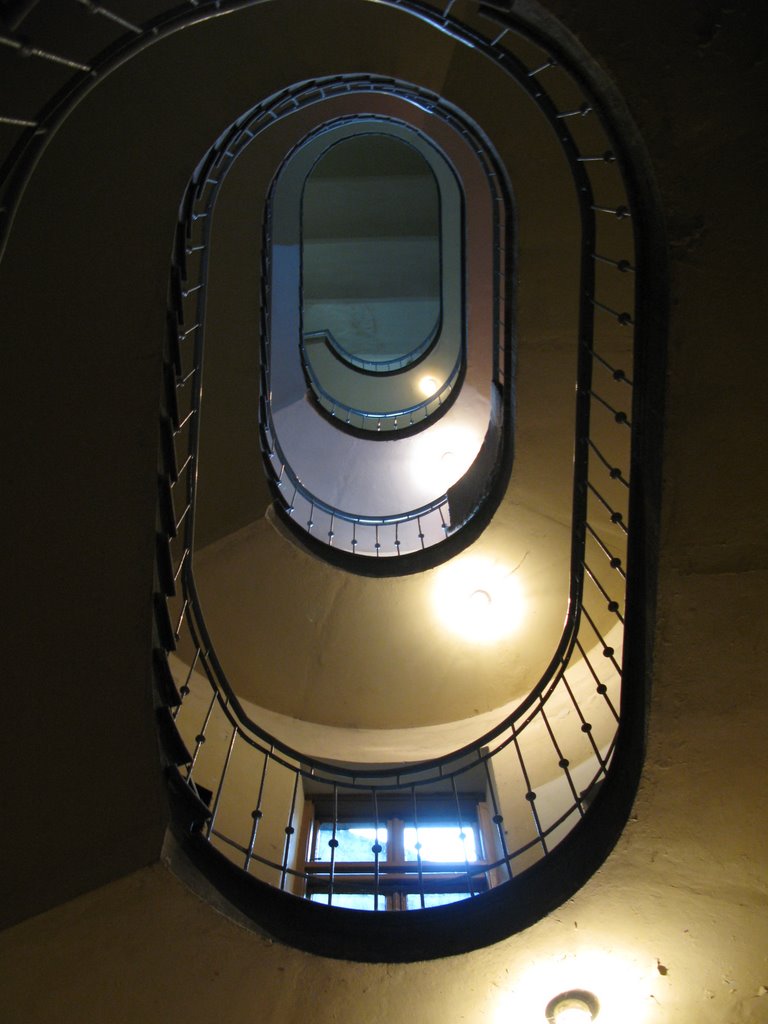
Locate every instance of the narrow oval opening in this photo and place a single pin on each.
(368, 213)
(370, 256)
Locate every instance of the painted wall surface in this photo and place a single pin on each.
(676, 918)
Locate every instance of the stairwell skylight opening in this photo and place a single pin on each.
(371, 259)
(495, 696)
(386, 411)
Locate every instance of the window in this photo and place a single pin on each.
(395, 861)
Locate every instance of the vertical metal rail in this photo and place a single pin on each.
(290, 830)
(256, 814)
(222, 777)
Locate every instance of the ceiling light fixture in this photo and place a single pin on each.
(478, 599)
(441, 455)
(573, 1007)
(428, 386)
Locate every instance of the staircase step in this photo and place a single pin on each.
(164, 562)
(189, 807)
(167, 689)
(174, 747)
(170, 393)
(168, 449)
(166, 506)
(172, 338)
(163, 622)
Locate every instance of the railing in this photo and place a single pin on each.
(392, 365)
(532, 778)
(571, 750)
(364, 536)
(389, 421)
(411, 531)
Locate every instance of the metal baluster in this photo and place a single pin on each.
(613, 471)
(618, 415)
(200, 738)
(615, 563)
(586, 727)
(600, 686)
(376, 849)
(617, 374)
(551, 63)
(215, 808)
(20, 122)
(625, 319)
(498, 818)
(616, 517)
(110, 16)
(27, 50)
(623, 266)
(562, 761)
(290, 830)
(417, 845)
(580, 111)
(462, 835)
(257, 812)
(608, 651)
(333, 843)
(613, 606)
(184, 690)
(530, 794)
(620, 212)
(180, 621)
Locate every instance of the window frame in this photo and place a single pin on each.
(391, 878)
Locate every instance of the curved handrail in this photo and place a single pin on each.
(568, 639)
(581, 633)
(383, 366)
(429, 533)
(371, 419)
(591, 541)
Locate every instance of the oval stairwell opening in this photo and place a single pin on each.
(404, 581)
(318, 807)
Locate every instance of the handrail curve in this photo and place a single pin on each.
(598, 673)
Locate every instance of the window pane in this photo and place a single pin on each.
(442, 843)
(356, 842)
(351, 900)
(433, 899)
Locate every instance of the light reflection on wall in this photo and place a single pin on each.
(623, 987)
(443, 454)
(478, 599)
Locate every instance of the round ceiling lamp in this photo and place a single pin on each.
(478, 599)
(428, 386)
(573, 1007)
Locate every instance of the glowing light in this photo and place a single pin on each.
(428, 386)
(478, 599)
(573, 1015)
(574, 1007)
(622, 985)
(443, 454)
